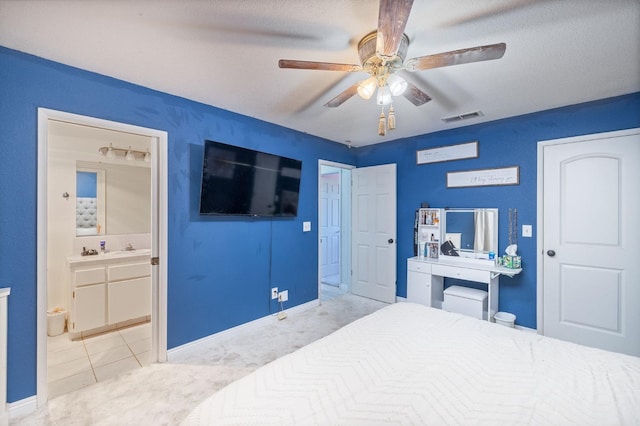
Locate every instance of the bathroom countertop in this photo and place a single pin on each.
(109, 255)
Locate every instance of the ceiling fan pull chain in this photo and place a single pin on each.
(382, 124)
(392, 118)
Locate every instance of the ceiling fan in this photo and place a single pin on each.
(382, 53)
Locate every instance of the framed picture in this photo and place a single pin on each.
(484, 177)
(447, 153)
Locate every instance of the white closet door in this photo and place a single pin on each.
(591, 241)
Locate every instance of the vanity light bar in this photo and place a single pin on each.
(128, 154)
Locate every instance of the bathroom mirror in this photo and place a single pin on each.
(112, 199)
(90, 201)
(474, 232)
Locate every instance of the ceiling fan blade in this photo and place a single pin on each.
(456, 57)
(392, 19)
(415, 95)
(342, 97)
(323, 66)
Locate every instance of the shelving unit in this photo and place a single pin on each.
(429, 233)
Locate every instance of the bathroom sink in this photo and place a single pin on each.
(122, 253)
(112, 254)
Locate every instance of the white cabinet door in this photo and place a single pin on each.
(89, 307)
(129, 299)
(419, 287)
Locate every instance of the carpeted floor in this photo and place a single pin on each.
(164, 394)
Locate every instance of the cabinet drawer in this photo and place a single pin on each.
(125, 272)
(462, 273)
(89, 276)
(417, 266)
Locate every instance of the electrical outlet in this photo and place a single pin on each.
(274, 293)
(527, 230)
(283, 296)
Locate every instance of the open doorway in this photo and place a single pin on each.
(334, 229)
(99, 304)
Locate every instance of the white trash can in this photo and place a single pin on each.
(56, 320)
(505, 318)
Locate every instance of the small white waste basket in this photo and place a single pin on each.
(505, 318)
(56, 319)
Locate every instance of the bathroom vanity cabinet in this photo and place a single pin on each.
(108, 289)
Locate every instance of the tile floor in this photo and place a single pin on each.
(75, 364)
(329, 291)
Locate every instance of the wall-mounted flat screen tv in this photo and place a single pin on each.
(241, 181)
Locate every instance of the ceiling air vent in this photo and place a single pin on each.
(461, 117)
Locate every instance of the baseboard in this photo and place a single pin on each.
(22, 407)
(172, 354)
(400, 299)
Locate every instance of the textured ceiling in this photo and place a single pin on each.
(225, 54)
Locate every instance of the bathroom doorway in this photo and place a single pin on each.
(125, 337)
(334, 229)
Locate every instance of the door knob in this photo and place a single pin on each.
(551, 253)
(390, 241)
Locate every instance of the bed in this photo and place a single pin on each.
(410, 364)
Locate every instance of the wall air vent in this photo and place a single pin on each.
(461, 117)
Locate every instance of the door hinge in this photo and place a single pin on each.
(74, 295)
(155, 261)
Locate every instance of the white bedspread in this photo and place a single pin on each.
(409, 364)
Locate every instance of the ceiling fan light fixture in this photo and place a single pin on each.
(367, 88)
(397, 84)
(383, 52)
(384, 95)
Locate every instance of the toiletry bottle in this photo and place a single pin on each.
(103, 246)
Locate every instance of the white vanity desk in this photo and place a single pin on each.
(425, 278)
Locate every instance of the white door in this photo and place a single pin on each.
(591, 240)
(374, 232)
(330, 227)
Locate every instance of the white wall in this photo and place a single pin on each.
(128, 195)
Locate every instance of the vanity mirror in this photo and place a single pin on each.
(474, 232)
(112, 199)
(90, 201)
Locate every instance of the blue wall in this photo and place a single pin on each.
(508, 142)
(86, 184)
(221, 270)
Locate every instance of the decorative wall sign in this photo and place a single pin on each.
(447, 153)
(484, 177)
